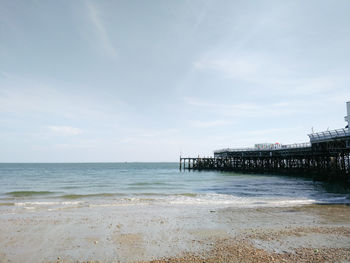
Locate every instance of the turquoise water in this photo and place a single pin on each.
(87, 184)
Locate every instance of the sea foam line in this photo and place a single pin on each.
(46, 203)
(221, 200)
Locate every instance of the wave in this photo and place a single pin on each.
(236, 201)
(162, 194)
(148, 183)
(7, 204)
(187, 194)
(28, 193)
(127, 196)
(209, 200)
(179, 199)
(45, 203)
(78, 196)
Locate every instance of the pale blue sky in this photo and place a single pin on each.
(84, 81)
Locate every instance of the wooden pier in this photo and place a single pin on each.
(326, 156)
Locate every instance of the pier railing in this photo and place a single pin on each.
(326, 135)
(276, 148)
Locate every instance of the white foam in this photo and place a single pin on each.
(235, 201)
(211, 199)
(221, 200)
(43, 203)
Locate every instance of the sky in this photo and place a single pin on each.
(115, 81)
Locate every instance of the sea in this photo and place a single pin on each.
(50, 186)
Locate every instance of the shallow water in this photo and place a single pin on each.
(48, 186)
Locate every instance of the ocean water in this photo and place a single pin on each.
(57, 186)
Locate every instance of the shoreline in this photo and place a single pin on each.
(154, 233)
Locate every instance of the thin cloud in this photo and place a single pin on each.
(100, 30)
(254, 68)
(252, 110)
(65, 130)
(4, 74)
(49, 99)
(271, 74)
(69, 146)
(239, 68)
(208, 124)
(148, 135)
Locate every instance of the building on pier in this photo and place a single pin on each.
(333, 140)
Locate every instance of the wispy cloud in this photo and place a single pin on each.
(100, 30)
(65, 130)
(148, 135)
(245, 110)
(270, 73)
(4, 74)
(233, 68)
(49, 99)
(209, 124)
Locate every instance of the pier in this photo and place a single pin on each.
(327, 155)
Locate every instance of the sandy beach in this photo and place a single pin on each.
(177, 233)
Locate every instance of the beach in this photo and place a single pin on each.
(155, 131)
(307, 233)
(118, 212)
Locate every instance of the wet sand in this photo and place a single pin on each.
(154, 233)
